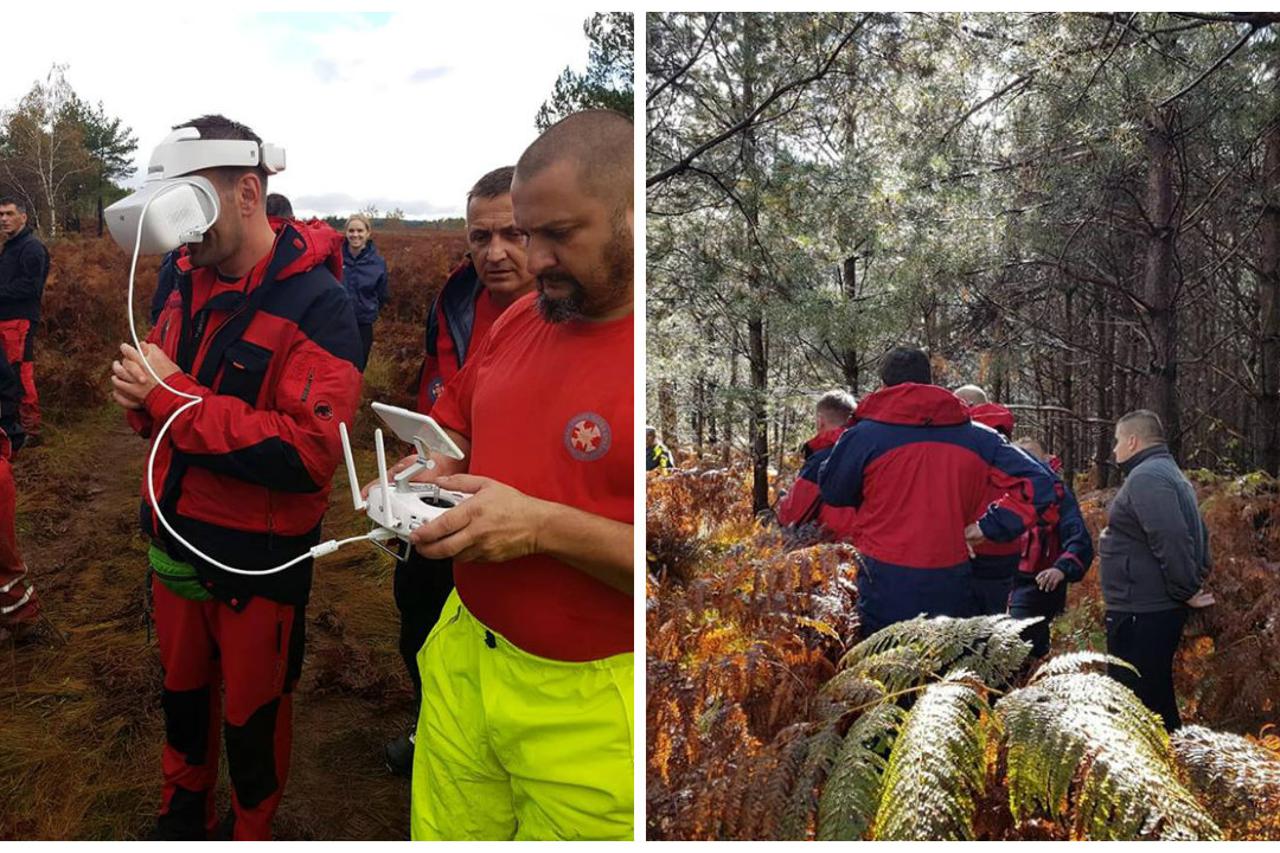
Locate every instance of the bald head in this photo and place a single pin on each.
(599, 144)
(971, 394)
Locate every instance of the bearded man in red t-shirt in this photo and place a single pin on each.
(493, 276)
(527, 733)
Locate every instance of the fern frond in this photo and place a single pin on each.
(911, 653)
(1077, 662)
(1083, 749)
(794, 746)
(848, 689)
(937, 770)
(850, 797)
(821, 756)
(1237, 779)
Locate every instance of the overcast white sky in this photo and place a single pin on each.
(401, 109)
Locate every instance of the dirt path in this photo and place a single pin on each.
(80, 725)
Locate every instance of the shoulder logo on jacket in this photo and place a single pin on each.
(587, 437)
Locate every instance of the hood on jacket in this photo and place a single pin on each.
(826, 438)
(993, 415)
(321, 237)
(913, 404)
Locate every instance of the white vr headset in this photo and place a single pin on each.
(180, 206)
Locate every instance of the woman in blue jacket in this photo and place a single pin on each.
(364, 275)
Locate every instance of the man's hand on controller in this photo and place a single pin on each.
(497, 523)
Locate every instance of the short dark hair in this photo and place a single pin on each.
(599, 143)
(905, 364)
(838, 403)
(278, 205)
(215, 126)
(493, 184)
(1143, 423)
(6, 200)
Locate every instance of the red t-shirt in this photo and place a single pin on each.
(439, 370)
(548, 410)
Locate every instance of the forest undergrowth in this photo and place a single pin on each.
(768, 718)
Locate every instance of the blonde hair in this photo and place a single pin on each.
(359, 217)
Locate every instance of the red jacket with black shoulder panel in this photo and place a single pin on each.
(245, 475)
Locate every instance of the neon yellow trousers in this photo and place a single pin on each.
(514, 746)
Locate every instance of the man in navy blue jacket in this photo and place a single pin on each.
(920, 471)
(24, 265)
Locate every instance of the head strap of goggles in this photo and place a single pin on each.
(183, 152)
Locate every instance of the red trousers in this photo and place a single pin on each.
(19, 350)
(229, 673)
(18, 600)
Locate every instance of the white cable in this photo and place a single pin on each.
(193, 399)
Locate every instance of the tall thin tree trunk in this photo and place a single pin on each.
(1158, 277)
(667, 413)
(1068, 393)
(849, 359)
(1269, 413)
(755, 319)
(1106, 354)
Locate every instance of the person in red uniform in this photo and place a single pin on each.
(994, 563)
(493, 276)
(19, 601)
(1052, 558)
(262, 331)
(921, 474)
(543, 550)
(803, 504)
(24, 265)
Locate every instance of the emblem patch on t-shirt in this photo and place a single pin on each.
(587, 437)
(434, 388)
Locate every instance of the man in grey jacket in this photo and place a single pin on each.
(1154, 558)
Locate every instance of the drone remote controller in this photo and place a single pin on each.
(399, 506)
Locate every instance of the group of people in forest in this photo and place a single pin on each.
(515, 606)
(952, 517)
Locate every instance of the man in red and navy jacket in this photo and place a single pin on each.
(260, 329)
(994, 563)
(493, 276)
(1053, 557)
(24, 265)
(803, 504)
(479, 289)
(919, 471)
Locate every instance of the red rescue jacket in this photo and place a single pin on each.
(804, 503)
(919, 472)
(999, 419)
(245, 475)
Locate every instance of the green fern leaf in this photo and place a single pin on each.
(1083, 750)
(937, 770)
(1237, 779)
(1077, 662)
(850, 797)
(912, 653)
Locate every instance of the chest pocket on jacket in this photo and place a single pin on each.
(243, 369)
